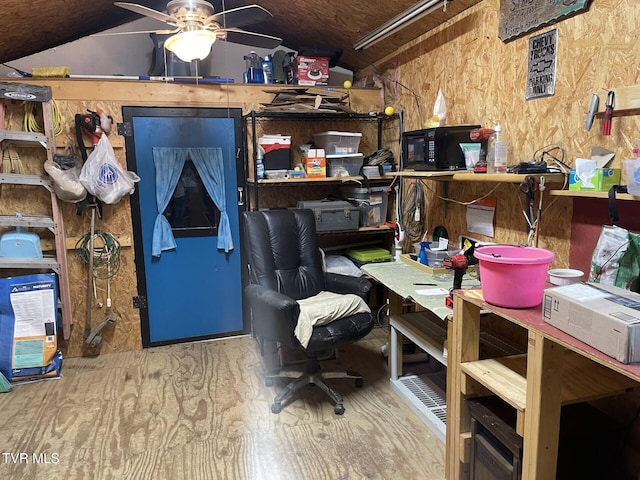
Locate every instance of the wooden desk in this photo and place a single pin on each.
(557, 370)
(427, 328)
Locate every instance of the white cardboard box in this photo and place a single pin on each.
(603, 316)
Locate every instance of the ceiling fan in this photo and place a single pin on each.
(196, 26)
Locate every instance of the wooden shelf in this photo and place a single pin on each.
(305, 180)
(464, 176)
(379, 229)
(583, 380)
(627, 100)
(425, 331)
(319, 115)
(586, 194)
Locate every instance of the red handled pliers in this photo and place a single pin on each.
(608, 112)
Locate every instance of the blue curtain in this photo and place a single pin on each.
(210, 165)
(168, 162)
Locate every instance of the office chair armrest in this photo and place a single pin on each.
(270, 298)
(346, 284)
(274, 315)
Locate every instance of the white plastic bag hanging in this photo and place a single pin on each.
(439, 112)
(66, 183)
(103, 176)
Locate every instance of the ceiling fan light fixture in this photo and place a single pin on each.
(191, 45)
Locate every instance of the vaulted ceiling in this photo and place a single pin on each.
(37, 25)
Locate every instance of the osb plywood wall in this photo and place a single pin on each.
(125, 334)
(76, 96)
(483, 81)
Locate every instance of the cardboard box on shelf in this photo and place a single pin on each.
(316, 163)
(311, 70)
(603, 316)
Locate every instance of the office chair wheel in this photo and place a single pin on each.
(277, 408)
(269, 382)
(359, 383)
(338, 409)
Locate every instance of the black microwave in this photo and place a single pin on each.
(436, 148)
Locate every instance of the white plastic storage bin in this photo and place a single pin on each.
(372, 203)
(344, 165)
(338, 143)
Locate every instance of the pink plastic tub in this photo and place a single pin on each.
(513, 276)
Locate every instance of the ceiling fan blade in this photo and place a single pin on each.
(147, 12)
(159, 32)
(240, 17)
(235, 35)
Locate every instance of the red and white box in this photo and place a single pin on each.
(316, 163)
(311, 70)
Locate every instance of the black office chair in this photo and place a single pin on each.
(285, 265)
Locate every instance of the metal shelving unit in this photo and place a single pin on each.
(254, 186)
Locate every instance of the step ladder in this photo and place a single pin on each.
(54, 223)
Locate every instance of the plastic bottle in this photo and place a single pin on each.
(259, 164)
(254, 68)
(267, 69)
(491, 153)
(496, 152)
(499, 151)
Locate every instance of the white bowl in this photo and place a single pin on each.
(565, 276)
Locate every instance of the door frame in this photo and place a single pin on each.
(140, 301)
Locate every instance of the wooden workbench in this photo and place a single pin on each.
(557, 370)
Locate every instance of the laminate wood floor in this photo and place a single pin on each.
(202, 411)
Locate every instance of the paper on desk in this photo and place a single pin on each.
(432, 291)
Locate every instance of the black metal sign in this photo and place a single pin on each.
(518, 17)
(541, 73)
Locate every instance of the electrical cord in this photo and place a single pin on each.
(544, 154)
(106, 258)
(414, 212)
(381, 315)
(31, 124)
(470, 202)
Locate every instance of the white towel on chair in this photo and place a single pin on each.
(323, 308)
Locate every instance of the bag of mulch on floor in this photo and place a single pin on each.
(28, 329)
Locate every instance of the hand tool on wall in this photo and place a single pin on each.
(608, 112)
(92, 234)
(593, 109)
(529, 187)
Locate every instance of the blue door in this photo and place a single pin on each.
(194, 291)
